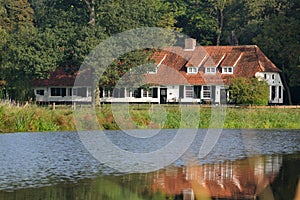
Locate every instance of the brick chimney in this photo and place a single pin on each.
(189, 44)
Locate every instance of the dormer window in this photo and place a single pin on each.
(192, 70)
(210, 70)
(152, 71)
(227, 70)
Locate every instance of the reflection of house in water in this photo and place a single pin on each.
(244, 179)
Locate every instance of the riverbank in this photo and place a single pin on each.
(35, 118)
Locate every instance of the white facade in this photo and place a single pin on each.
(167, 94)
(63, 94)
(275, 84)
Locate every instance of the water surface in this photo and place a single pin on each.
(243, 164)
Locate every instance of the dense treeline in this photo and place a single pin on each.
(36, 36)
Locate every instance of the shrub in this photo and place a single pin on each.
(249, 91)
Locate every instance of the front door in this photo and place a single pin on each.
(163, 95)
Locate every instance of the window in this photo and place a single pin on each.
(122, 93)
(273, 89)
(58, 92)
(75, 92)
(152, 70)
(107, 92)
(82, 92)
(273, 76)
(211, 70)
(189, 92)
(40, 92)
(206, 92)
(144, 93)
(265, 76)
(128, 93)
(154, 93)
(227, 70)
(116, 92)
(279, 91)
(192, 70)
(150, 93)
(137, 93)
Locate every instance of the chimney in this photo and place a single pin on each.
(189, 44)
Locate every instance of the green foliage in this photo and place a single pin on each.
(36, 36)
(249, 91)
(197, 19)
(284, 52)
(119, 16)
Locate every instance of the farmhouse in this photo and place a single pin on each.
(189, 74)
(195, 74)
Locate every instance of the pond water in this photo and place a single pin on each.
(243, 164)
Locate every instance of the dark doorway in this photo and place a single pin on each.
(181, 91)
(163, 95)
(223, 96)
(197, 91)
(273, 92)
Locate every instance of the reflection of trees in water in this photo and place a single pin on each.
(285, 184)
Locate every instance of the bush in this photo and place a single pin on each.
(249, 91)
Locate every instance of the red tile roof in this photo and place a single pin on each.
(246, 61)
(65, 77)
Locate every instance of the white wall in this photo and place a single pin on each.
(68, 98)
(273, 79)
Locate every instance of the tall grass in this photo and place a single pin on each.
(34, 118)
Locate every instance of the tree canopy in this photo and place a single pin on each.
(36, 36)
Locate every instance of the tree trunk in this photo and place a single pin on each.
(91, 8)
(221, 24)
(97, 95)
(287, 88)
(95, 89)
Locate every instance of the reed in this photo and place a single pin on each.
(35, 118)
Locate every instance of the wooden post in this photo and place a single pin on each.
(53, 106)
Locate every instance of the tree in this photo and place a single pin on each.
(279, 38)
(119, 16)
(220, 6)
(249, 91)
(196, 19)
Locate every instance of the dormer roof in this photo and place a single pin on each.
(246, 61)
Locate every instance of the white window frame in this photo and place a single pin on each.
(206, 92)
(189, 91)
(227, 70)
(192, 70)
(210, 70)
(154, 71)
